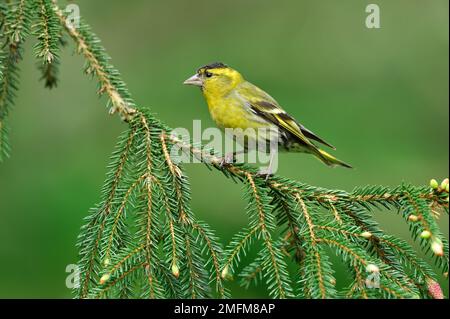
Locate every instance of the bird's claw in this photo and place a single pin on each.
(265, 173)
(227, 159)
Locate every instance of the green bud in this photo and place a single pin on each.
(175, 270)
(425, 234)
(226, 274)
(434, 184)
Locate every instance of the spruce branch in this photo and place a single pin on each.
(352, 208)
(47, 30)
(15, 26)
(144, 241)
(98, 64)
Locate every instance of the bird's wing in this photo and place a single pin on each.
(268, 108)
(280, 118)
(311, 135)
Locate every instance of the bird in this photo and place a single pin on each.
(235, 103)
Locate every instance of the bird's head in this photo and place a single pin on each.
(215, 78)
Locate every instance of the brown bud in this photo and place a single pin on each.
(444, 183)
(104, 278)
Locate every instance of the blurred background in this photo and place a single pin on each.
(380, 95)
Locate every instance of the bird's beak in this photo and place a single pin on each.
(194, 80)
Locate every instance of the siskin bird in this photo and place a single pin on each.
(236, 103)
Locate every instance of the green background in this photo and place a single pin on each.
(380, 95)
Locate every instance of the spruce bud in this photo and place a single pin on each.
(437, 248)
(175, 270)
(104, 278)
(226, 273)
(366, 235)
(434, 289)
(425, 234)
(444, 183)
(372, 268)
(434, 184)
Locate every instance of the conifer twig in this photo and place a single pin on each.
(143, 239)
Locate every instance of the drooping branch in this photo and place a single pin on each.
(15, 26)
(97, 59)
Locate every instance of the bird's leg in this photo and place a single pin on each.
(267, 172)
(229, 158)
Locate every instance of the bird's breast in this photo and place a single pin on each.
(232, 113)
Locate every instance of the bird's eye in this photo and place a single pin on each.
(208, 74)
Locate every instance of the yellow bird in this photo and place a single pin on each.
(236, 103)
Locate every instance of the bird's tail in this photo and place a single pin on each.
(330, 160)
